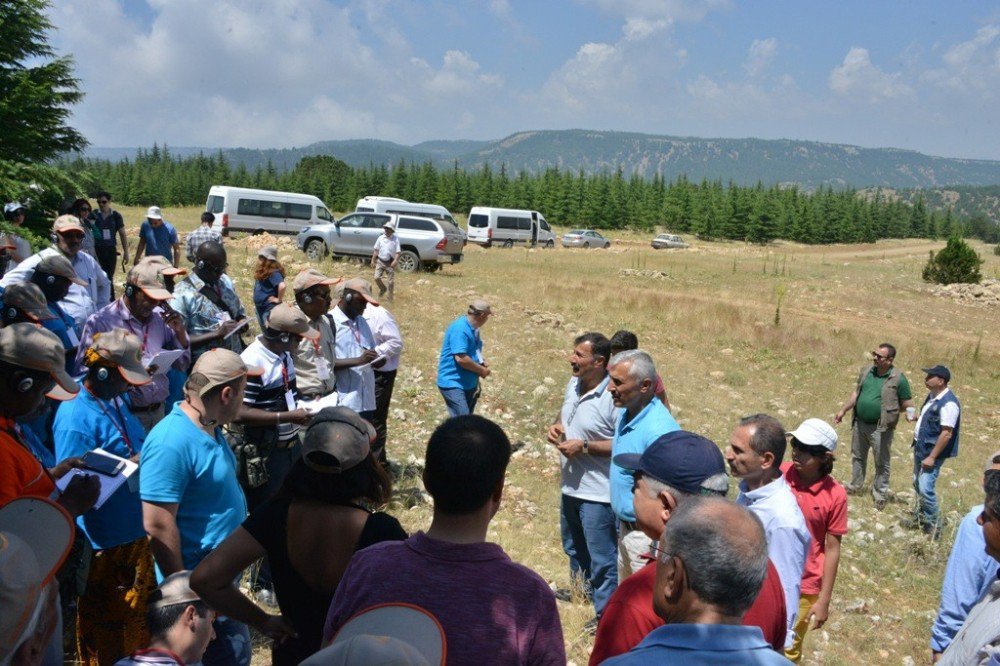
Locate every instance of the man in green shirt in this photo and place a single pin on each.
(881, 392)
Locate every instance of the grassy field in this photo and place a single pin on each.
(708, 316)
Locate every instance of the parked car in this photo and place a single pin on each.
(585, 238)
(425, 242)
(506, 226)
(668, 241)
(257, 211)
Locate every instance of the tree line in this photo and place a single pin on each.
(708, 209)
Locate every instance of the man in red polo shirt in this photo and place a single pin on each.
(675, 466)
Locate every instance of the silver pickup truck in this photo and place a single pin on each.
(425, 242)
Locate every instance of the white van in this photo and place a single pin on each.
(508, 226)
(256, 211)
(394, 206)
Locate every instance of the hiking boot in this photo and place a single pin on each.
(853, 490)
(591, 626)
(564, 594)
(880, 504)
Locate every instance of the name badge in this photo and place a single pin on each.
(106, 234)
(290, 400)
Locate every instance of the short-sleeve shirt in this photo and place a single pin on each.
(635, 436)
(264, 289)
(387, 248)
(869, 404)
(182, 464)
(271, 392)
(460, 338)
(314, 360)
(160, 240)
(106, 228)
(591, 416)
(87, 423)
(355, 386)
(824, 506)
(20, 472)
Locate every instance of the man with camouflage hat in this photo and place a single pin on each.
(314, 359)
(67, 240)
(159, 330)
(24, 302)
(461, 364)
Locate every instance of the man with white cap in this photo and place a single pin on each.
(158, 237)
(35, 537)
(67, 240)
(139, 312)
(385, 256)
(191, 499)
(111, 611)
(356, 355)
(314, 359)
(15, 213)
(461, 364)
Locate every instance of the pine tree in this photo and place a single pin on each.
(957, 262)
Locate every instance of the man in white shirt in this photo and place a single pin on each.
(756, 449)
(385, 256)
(356, 356)
(388, 345)
(67, 239)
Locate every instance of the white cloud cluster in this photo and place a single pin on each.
(856, 76)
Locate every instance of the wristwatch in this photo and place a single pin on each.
(586, 446)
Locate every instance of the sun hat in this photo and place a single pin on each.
(28, 298)
(269, 252)
(124, 351)
(310, 277)
(680, 459)
(343, 444)
(175, 589)
(148, 277)
(283, 317)
(58, 265)
(154, 213)
(65, 223)
(32, 347)
(816, 432)
(217, 367)
(481, 306)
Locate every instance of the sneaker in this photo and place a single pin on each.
(911, 523)
(591, 626)
(564, 594)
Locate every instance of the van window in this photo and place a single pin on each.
(300, 211)
(215, 203)
(524, 223)
(376, 221)
(506, 222)
(479, 220)
(544, 225)
(365, 209)
(416, 224)
(323, 214)
(261, 208)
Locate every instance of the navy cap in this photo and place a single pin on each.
(939, 371)
(680, 459)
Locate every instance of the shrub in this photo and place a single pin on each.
(957, 262)
(996, 249)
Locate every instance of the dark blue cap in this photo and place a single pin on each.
(680, 459)
(939, 371)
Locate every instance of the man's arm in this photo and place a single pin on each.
(465, 362)
(124, 240)
(160, 521)
(395, 259)
(595, 447)
(177, 253)
(847, 406)
(392, 339)
(140, 249)
(821, 609)
(252, 416)
(367, 356)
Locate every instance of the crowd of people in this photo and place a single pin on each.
(167, 481)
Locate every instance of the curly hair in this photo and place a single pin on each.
(265, 267)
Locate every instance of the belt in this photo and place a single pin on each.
(629, 526)
(146, 408)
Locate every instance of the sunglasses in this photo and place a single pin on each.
(102, 201)
(879, 357)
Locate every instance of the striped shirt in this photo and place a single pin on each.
(270, 391)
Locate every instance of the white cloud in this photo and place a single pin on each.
(760, 56)
(640, 28)
(669, 10)
(961, 54)
(858, 76)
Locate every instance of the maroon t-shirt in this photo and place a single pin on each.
(629, 615)
(492, 609)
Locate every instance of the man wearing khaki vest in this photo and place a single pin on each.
(881, 392)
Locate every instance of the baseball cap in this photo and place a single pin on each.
(123, 350)
(35, 536)
(361, 286)
(336, 449)
(220, 366)
(154, 213)
(29, 299)
(283, 317)
(310, 277)
(680, 459)
(816, 432)
(57, 264)
(35, 348)
(13, 206)
(480, 305)
(148, 278)
(392, 633)
(164, 266)
(269, 252)
(175, 589)
(938, 371)
(65, 223)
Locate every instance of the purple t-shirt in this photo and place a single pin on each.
(486, 603)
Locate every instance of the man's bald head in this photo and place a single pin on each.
(210, 261)
(211, 251)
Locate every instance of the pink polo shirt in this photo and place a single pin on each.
(824, 506)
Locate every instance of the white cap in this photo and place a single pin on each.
(154, 213)
(816, 432)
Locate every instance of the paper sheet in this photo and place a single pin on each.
(109, 484)
(314, 406)
(243, 324)
(164, 360)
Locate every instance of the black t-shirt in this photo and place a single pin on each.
(300, 603)
(106, 228)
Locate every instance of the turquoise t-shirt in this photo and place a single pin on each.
(183, 465)
(635, 436)
(460, 338)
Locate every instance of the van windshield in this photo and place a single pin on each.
(215, 203)
(478, 220)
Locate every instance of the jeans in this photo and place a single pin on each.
(384, 383)
(924, 480)
(590, 536)
(231, 646)
(460, 401)
(865, 436)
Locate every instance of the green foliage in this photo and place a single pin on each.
(996, 250)
(957, 262)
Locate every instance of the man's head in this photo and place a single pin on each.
(67, 234)
(937, 378)
(54, 275)
(990, 517)
(176, 616)
(671, 469)
(285, 328)
(756, 448)
(104, 201)
(15, 212)
(633, 378)
(883, 357)
(114, 364)
(25, 302)
(154, 216)
(813, 444)
(166, 270)
(32, 367)
(210, 261)
(589, 359)
(479, 313)
(389, 228)
(144, 290)
(355, 297)
(465, 465)
(218, 381)
(207, 219)
(712, 557)
(312, 292)
(623, 341)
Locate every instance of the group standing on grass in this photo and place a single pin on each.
(270, 456)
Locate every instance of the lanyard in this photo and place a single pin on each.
(152, 651)
(355, 330)
(284, 372)
(121, 417)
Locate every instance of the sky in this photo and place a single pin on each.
(921, 75)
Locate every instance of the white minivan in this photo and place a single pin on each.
(394, 206)
(257, 211)
(507, 226)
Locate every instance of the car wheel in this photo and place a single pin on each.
(258, 232)
(315, 250)
(408, 261)
(607, 245)
(586, 244)
(432, 268)
(549, 244)
(488, 244)
(508, 243)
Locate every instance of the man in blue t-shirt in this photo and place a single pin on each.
(191, 499)
(461, 363)
(157, 237)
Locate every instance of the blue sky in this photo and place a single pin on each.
(279, 73)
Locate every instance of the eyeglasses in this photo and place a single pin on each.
(102, 201)
(879, 357)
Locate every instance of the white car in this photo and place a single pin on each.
(668, 241)
(585, 238)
